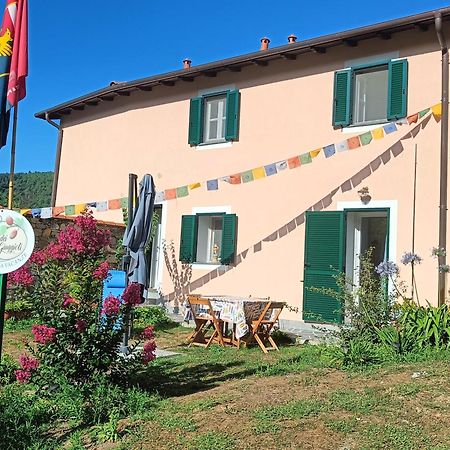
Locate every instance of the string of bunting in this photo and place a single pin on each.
(246, 176)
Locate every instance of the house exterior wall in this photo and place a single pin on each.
(286, 110)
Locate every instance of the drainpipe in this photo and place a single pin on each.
(444, 156)
(57, 158)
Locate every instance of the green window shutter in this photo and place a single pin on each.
(232, 120)
(324, 259)
(195, 121)
(188, 241)
(397, 89)
(229, 231)
(342, 97)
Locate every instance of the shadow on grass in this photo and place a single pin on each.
(172, 379)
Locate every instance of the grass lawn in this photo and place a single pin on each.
(227, 399)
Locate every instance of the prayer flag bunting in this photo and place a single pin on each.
(247, 176)
(114, 203)
(79, 208)
(57, 210)
(124, 202)
(413, 118)
(235, 179)
(212, 185)
(101, 206)
(182, 191)
(259, 173)
(293, 162)
(194, 186)
(437, 110)
(403, 121)
(46, 213)
(366, 138)
(69, 210)
(24, 211)
(378, 133)
(390, 128)
(170, 194)
(281, 165)
(36, 212)
(92, 204)
(226, 179)
(315, 153)
(271, 169)
(329, 150)
(424, 112)
(159, 197)
(353, 142)
(342, 146)
(305, 158)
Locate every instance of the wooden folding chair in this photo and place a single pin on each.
(262, 327)
(205, 320)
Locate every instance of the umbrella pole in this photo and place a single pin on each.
(132, 189)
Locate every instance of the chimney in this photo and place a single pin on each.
(265, 41)
(292, 38)
(186, 63)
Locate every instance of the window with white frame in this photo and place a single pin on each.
(370, 95)
(209, 239)
(215, 118)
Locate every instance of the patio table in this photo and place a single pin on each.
(239, 311)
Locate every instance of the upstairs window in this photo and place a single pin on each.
(214, 118)
(372, 94)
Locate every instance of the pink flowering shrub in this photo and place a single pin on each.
(77, 336)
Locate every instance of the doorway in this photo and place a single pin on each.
(366, 230)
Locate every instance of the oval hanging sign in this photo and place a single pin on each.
(16, 240)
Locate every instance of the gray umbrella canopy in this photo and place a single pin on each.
(137, 235)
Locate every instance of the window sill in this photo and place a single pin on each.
(362, 128)
(207, 266)
(214, 145)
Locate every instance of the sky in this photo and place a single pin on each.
(78, 47)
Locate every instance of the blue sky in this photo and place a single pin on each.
(77, 47)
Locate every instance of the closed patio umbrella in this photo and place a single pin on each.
(137, 234)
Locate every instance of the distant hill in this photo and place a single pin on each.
(32, 189)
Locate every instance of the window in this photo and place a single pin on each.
(214, 118)
(208, 238)
(372, 94)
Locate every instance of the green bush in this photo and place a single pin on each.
(151, 315)
(7, 368)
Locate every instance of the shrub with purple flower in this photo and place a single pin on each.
(386, 269)
(410, 258)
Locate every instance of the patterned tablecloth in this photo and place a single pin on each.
(239, 311)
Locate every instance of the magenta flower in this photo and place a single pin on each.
(22, 376)
(148, 352)
(101, 272)
(28, 363)
(148, 333)
(80, 325)
(39, 257)
(20, 277)
(132, 294)
(43, 334)
(111, 306)
(68, 300)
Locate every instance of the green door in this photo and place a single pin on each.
(324, 259)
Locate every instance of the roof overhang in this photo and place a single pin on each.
(383, 30)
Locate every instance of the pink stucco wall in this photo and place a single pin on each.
(285, 110)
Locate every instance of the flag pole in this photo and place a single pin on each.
(13, 159)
